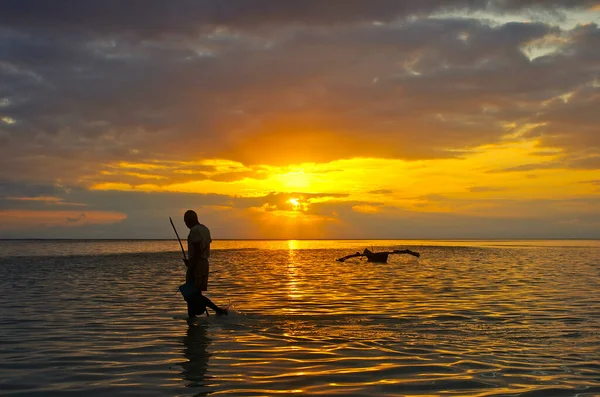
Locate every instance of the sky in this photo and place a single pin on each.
(298, 120)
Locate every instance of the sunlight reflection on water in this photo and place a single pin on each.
(469, 319)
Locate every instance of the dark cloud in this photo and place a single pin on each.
(131, 201)
(530, 167)
(484, 189)
(589, 162)
(14, 189)
(381, 191)
(594, 182)
(281, 201)
(151, 18)
(147, 217)
(305, 95)
(76, 219)
(147, 212)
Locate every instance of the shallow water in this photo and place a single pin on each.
(468, 318)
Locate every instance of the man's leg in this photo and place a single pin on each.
(203, 285)
(210, 304)
(190, 311)
(198, 304)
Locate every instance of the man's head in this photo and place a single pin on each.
(190, 218)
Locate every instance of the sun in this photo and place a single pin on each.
(295, 203)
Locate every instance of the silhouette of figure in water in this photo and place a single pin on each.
(197, 266)
(378, 257)
(195, 349)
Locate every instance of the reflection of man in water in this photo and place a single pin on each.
(197, 265)
(195, 349)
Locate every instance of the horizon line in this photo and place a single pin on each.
(306, 239)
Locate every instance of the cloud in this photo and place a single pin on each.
(529, 167)
(381, 191)
(38, 221)
(47, 201)
(320, 216)
(589, 162)
(14, 189)
(411, 90)
(367, 208)
(204, 96)
(484, 189)
(155, 18)
(151, 18)
(76, 218)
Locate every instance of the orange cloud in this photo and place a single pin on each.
(26, 219)
(49, 200)
(367, 209)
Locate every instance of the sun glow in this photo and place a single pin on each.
(491, 170)
(312, 198)
(295, 203)
(295, 180)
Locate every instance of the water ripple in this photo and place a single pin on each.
(464, 320)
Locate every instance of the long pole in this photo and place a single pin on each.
(178, 239)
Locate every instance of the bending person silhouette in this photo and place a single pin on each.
(197, 267)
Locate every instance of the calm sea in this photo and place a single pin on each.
(469, 318)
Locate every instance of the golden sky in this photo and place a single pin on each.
(380, 119)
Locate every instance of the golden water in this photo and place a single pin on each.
(468, 318)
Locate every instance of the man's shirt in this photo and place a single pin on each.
(199, 234)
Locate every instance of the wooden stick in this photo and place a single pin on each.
(409, 252)
(178, 239)
(349, 256)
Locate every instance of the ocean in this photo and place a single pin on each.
(468, 318)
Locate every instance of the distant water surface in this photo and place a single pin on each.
(469, 318)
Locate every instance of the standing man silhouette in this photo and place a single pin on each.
(197, 265)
